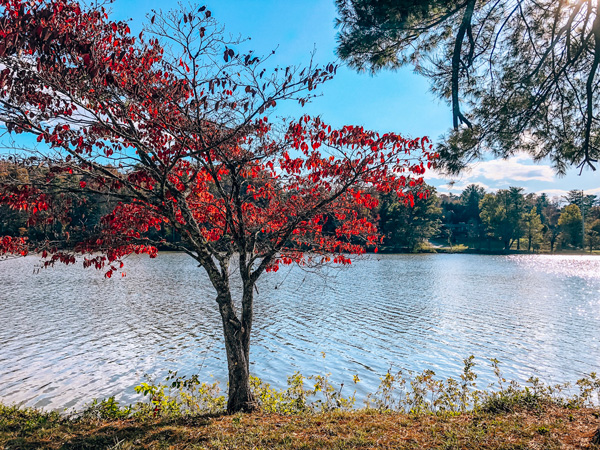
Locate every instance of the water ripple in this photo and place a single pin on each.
(69, 335)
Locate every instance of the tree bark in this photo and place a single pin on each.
(247, 318)
(589, 90)
(457, 116)
(240, 398)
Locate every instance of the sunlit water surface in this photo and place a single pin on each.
(68, 335)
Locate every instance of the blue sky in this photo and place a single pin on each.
(390, 101)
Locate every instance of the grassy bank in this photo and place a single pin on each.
(408, 411)
(551, 427)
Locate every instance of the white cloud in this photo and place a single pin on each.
(433, 174)
(563, 192)
(552, 192)
(518, 170)
(595, 191)
(511, 169)
(459, 187)
(496, 170)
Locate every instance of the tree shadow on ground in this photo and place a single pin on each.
(138, 434)
(114, 435)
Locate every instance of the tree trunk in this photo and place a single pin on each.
(465, 25)
(240, 398)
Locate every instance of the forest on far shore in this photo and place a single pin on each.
(501, 221)
(505, 220)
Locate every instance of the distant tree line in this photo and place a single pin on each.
(509, 219)
(68, 213)
(505, 220)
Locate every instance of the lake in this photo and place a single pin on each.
(68, 335)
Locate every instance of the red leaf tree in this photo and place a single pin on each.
(175, 127)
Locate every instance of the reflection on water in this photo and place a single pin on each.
(68, 335)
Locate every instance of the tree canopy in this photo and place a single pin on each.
(405, 227)
(173, 125)
(570, 222)
(519, 75)
(501, 214)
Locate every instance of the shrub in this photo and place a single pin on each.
(409, 392)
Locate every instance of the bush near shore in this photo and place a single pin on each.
(408, 411)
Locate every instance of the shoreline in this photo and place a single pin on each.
(472, 251)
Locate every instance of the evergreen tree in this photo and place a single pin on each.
(533, 229)
(551, 215)
(593, 235)
(516, 210)
(541, 202)
(495, 216)
(518, 75)
(470, 199)
(406, 227)
(585, 202)
(570, 222)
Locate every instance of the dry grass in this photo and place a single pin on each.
(551, 428)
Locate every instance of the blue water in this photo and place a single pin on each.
(68, 334)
